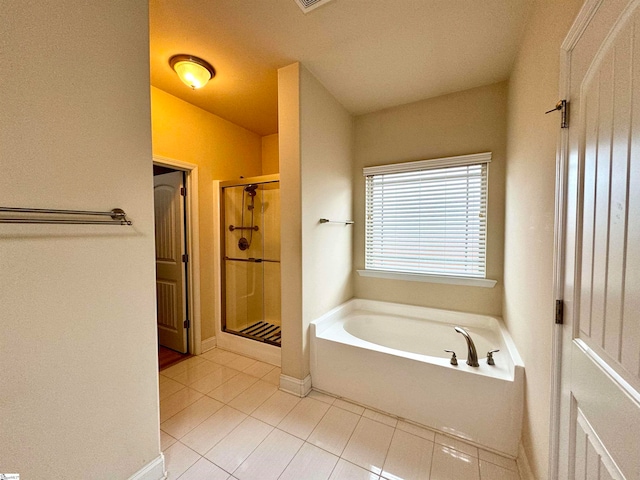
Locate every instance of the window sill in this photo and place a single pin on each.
(415, 277)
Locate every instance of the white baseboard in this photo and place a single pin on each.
(524, 468)
(153, 470)
(301, 388)
(208, 344)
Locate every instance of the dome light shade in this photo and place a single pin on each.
(193, 71)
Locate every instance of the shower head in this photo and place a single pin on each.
(251, 189)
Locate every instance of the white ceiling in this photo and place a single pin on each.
(370, 54)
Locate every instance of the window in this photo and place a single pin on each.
(428, 217)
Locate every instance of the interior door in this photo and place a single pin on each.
(170, 269)
(600, 381)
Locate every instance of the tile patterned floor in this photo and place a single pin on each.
(223, 418)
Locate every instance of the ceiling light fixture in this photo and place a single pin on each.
(193, 71)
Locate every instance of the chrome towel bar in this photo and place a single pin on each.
(35, 215)
(343, 222)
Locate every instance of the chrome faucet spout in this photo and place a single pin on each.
(472, 354)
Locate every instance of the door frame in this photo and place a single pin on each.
(192, 243)
(582, 20)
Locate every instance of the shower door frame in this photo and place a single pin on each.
(263, 179)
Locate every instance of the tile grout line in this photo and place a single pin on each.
(345, 445)
(415, 424)
(294, 455)
(350, 437)
(316, 425)
(334, 467)
(207, 418)
(340, 457)
(252, 411)
(181, 410)
(189, 386)
(256, 447)
(395, 429)
(365, 469)
(304, 440)
(373, 420)
(237, 426)
(187, 469)
(233, 398)
(433, 452)
(224, 404)
(248, 455)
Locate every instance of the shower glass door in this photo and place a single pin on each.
(251, 259)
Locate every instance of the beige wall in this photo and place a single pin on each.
(222, 151)
(326, 136)
(316, 149)
(471, 121)
(530, 186)
(290, 221)
(78, 369)
(270, 155)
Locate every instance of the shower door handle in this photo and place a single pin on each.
(255, 228)
(250, 259)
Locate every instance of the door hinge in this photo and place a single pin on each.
(185, 258)
(559, 312)
(187, 324)
(563, 106)
(183, 191)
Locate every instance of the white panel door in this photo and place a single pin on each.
(600, 399)
(170, 270)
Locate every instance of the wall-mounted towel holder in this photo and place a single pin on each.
(342, 222)
(45, 215)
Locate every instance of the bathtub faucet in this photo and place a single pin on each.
(472, 355)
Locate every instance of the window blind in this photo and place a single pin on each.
(428, 217)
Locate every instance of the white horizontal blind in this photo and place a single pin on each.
(428, 220)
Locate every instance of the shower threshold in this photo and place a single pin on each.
(261, 331)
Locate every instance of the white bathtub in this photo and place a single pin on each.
(391, 357)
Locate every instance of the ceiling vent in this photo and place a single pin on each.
(307, 5)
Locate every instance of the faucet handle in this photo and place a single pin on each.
(490, 357)
(454, 359)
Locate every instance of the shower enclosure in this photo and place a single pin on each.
(250, 224)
